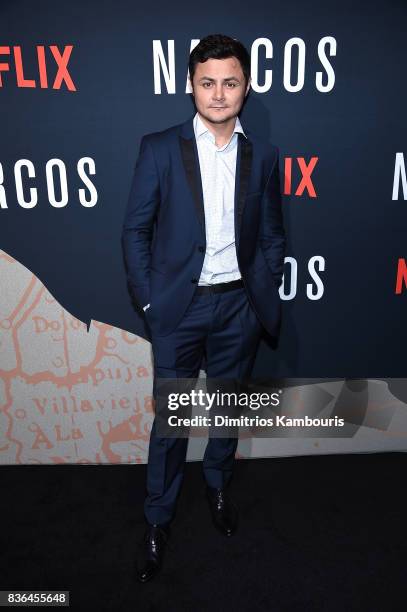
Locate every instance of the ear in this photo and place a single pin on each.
(248, 86)
(191, 85)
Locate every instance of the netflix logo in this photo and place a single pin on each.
(50, 61)
(299, 170)
(401, 276)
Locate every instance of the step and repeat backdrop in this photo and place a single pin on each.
(80, 84)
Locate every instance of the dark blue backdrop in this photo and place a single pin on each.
(357, 328)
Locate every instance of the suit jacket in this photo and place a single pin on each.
(164, 239)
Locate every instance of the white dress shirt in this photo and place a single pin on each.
(218, 171)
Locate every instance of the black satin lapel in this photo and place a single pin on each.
(191, 165)
(243, 169)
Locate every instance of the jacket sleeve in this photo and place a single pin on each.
(272, 233)
(143, 202)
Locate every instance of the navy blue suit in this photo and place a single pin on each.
(165, 259)
(164, 243)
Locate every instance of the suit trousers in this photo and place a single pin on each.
(225, 328)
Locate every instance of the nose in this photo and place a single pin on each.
(218, 92)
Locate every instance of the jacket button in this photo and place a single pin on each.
(201, 249)
(194, 280)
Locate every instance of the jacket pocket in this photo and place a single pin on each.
(156, 270)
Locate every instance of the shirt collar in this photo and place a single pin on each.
(200, 127)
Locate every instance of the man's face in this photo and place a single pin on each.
(219, 89)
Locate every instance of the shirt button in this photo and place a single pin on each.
(201, 249)
(194, 280)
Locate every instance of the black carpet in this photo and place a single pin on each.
(315, 533)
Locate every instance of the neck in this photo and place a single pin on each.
(222, 131)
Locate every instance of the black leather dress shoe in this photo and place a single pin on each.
(223, 510)
(155, 540)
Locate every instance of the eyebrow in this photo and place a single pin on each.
(232, 78)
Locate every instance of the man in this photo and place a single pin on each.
(204, 245)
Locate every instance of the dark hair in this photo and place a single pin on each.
(219, 46)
